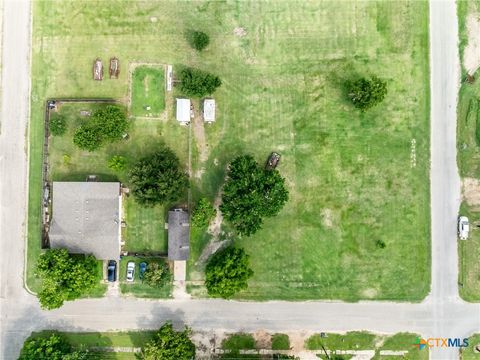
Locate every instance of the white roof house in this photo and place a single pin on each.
(183, 111)
(209, 110)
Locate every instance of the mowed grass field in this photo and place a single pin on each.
(283, 66)
(148, 91)
(468, 158)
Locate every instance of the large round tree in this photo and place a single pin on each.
(227, 272)
(250, 194)
(169, 344)
(157, 178)
(65, 277)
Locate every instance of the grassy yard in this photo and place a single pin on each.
(148, 90)
(360, 340)
(283, 65)
(106, 339)
(468, 157)
(469, 353)
(138, 288)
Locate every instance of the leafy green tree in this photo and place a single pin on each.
(195, 82)
(64, 277)
(88, 138)
(203, 213)
(107, 124)
(227, 272)
(157, 274)
(111, 121)
(198, 40)
(366, 93)
(54, 347)
(250, 194)
(169, 344)
(157, 178)
(117, 163)
(57, 125)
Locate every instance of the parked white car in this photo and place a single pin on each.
(130, 271)
(463, 227)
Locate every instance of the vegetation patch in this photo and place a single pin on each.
(280, 342)
(148, 91)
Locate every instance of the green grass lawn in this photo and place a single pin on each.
(148, 90)
(361, 340)
(468, 158)
(138, 288)
(349, 173)
(469, 352)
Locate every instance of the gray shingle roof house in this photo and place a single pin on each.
(178, 235)
(87, 218)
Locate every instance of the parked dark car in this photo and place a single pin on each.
(143, 268)
(112, 270)
(272, 161)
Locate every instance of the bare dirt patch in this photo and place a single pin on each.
(328, 218)
(471, 191)
(200, 138)
(263, 340)
(239, 31)
(471, 54)
(370, 293)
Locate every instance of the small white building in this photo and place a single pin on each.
(183, 111)
(209, 110)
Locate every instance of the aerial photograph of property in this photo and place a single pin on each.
(240, 179)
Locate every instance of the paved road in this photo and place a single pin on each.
(442, 314)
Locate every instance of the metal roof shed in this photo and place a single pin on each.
(178, 235)
(183, 111)
(209, 110)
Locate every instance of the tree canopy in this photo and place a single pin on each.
(195, 82)
(366, 93)
(227, 272)
(157, 178)
(54, 347)
(57, 124)
(251, 193)
(169, 344)
(198, 40)
(106, 124)
(203, 213)
(64, 277)
(157, 274)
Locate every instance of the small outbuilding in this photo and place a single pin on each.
(178, 235)
(209, 110)
(183, 111)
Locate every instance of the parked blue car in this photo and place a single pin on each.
(143, 268)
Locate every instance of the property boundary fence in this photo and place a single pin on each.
(45, 183)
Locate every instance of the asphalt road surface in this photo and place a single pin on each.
(442, 314)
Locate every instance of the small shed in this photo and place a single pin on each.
(183, 111)
(209, 110)
(178, 235)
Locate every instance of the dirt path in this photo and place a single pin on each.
(200, 140)
(215, 229)
(471, 56)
